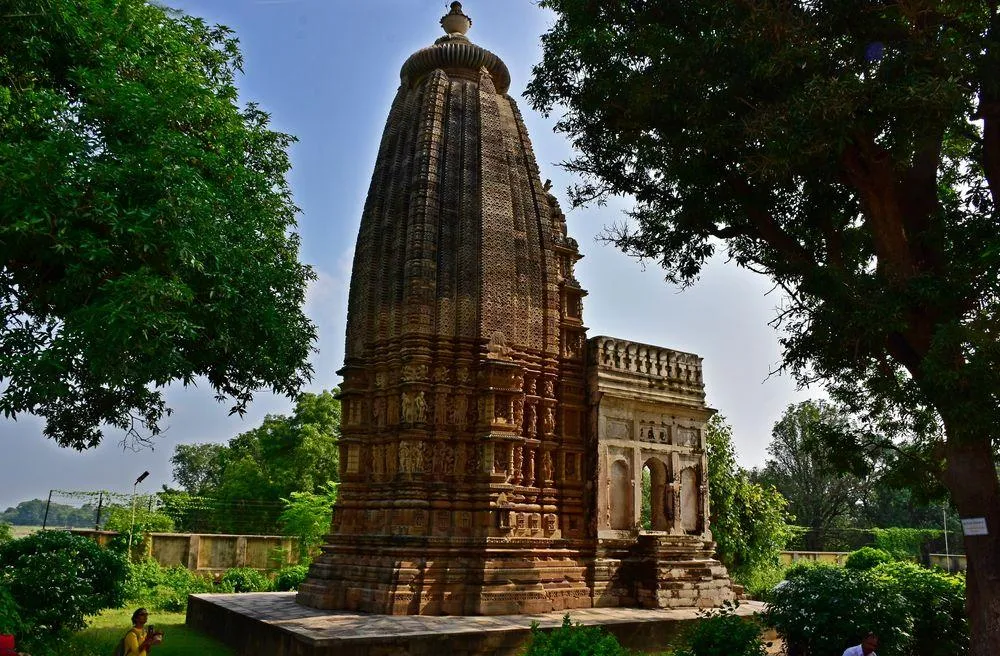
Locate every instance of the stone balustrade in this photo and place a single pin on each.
(646, 360)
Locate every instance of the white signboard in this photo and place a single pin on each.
(974, 526)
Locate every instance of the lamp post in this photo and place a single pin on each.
(131, 529)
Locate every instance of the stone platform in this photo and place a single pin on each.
(272, 623)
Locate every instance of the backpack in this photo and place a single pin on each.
(120, 649)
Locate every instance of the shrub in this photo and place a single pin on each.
(58, 578)
(573, 640)
(823, 610)
(10, 615)
(866, 558)
(723, 633)
(289, 578)
(307, 517)
(759, 582)
(937, 603)
(6, 534)
(163, 588)
(801, 567)
(246, 579)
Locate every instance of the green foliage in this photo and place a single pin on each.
(164, 588)
(758, 582)
(119, 518)
(289, 578)
(937, 602)
(904, 542)
(855, 162)
(307, 517)
(265, 465)
(722, 632)
(145, 221)
(58, 578)
(748, 519)
(32, 513)
(802, 466)
(824, 610)
(6, 533)
(803, 567)
(867, 558)
(246, 579)
(10, 614)
(572, 640)
(198, 467)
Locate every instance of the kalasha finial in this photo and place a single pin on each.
(456, 22)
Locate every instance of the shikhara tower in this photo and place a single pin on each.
(490, 456)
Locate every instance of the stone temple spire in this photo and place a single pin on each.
(491, 459)
(463, 394)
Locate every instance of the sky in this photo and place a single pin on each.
(326, 71)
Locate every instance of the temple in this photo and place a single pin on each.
(491, 455)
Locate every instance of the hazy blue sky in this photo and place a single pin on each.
(327, 70)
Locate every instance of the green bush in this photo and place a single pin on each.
(824, 610)
(307, 517)
(246, 579)
(58, 578)
(10, 615)
(573, 640)
(759, 582)
(866, 558)
(6, 534)
(723, 633)
(801, 567)
(289, 578)
(164, 588)
(937, 603)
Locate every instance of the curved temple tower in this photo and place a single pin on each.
(484, 440)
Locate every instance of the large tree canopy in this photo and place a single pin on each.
(801, 467)
(145, 220)
(848, 149)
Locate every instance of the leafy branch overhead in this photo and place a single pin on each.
(145, 221)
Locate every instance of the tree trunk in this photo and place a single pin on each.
(971, 477)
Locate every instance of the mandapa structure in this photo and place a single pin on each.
(491, 456)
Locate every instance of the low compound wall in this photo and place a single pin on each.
(210, 553)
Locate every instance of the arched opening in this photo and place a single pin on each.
(654, 496)
(620, 497)
(689, 500)
(646, 511)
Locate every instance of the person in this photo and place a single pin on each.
(866, 648)
(139, 640)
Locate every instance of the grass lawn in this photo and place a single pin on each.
(105, 630)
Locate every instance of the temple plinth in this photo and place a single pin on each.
(478, 473)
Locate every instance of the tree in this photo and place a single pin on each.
(850, 151)
(284, 455)
(307, 516)
(747, 519)
(145, 221)
(801, 466)
(198, 467)
(32, 513)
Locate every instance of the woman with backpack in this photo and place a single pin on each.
(140, 639)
